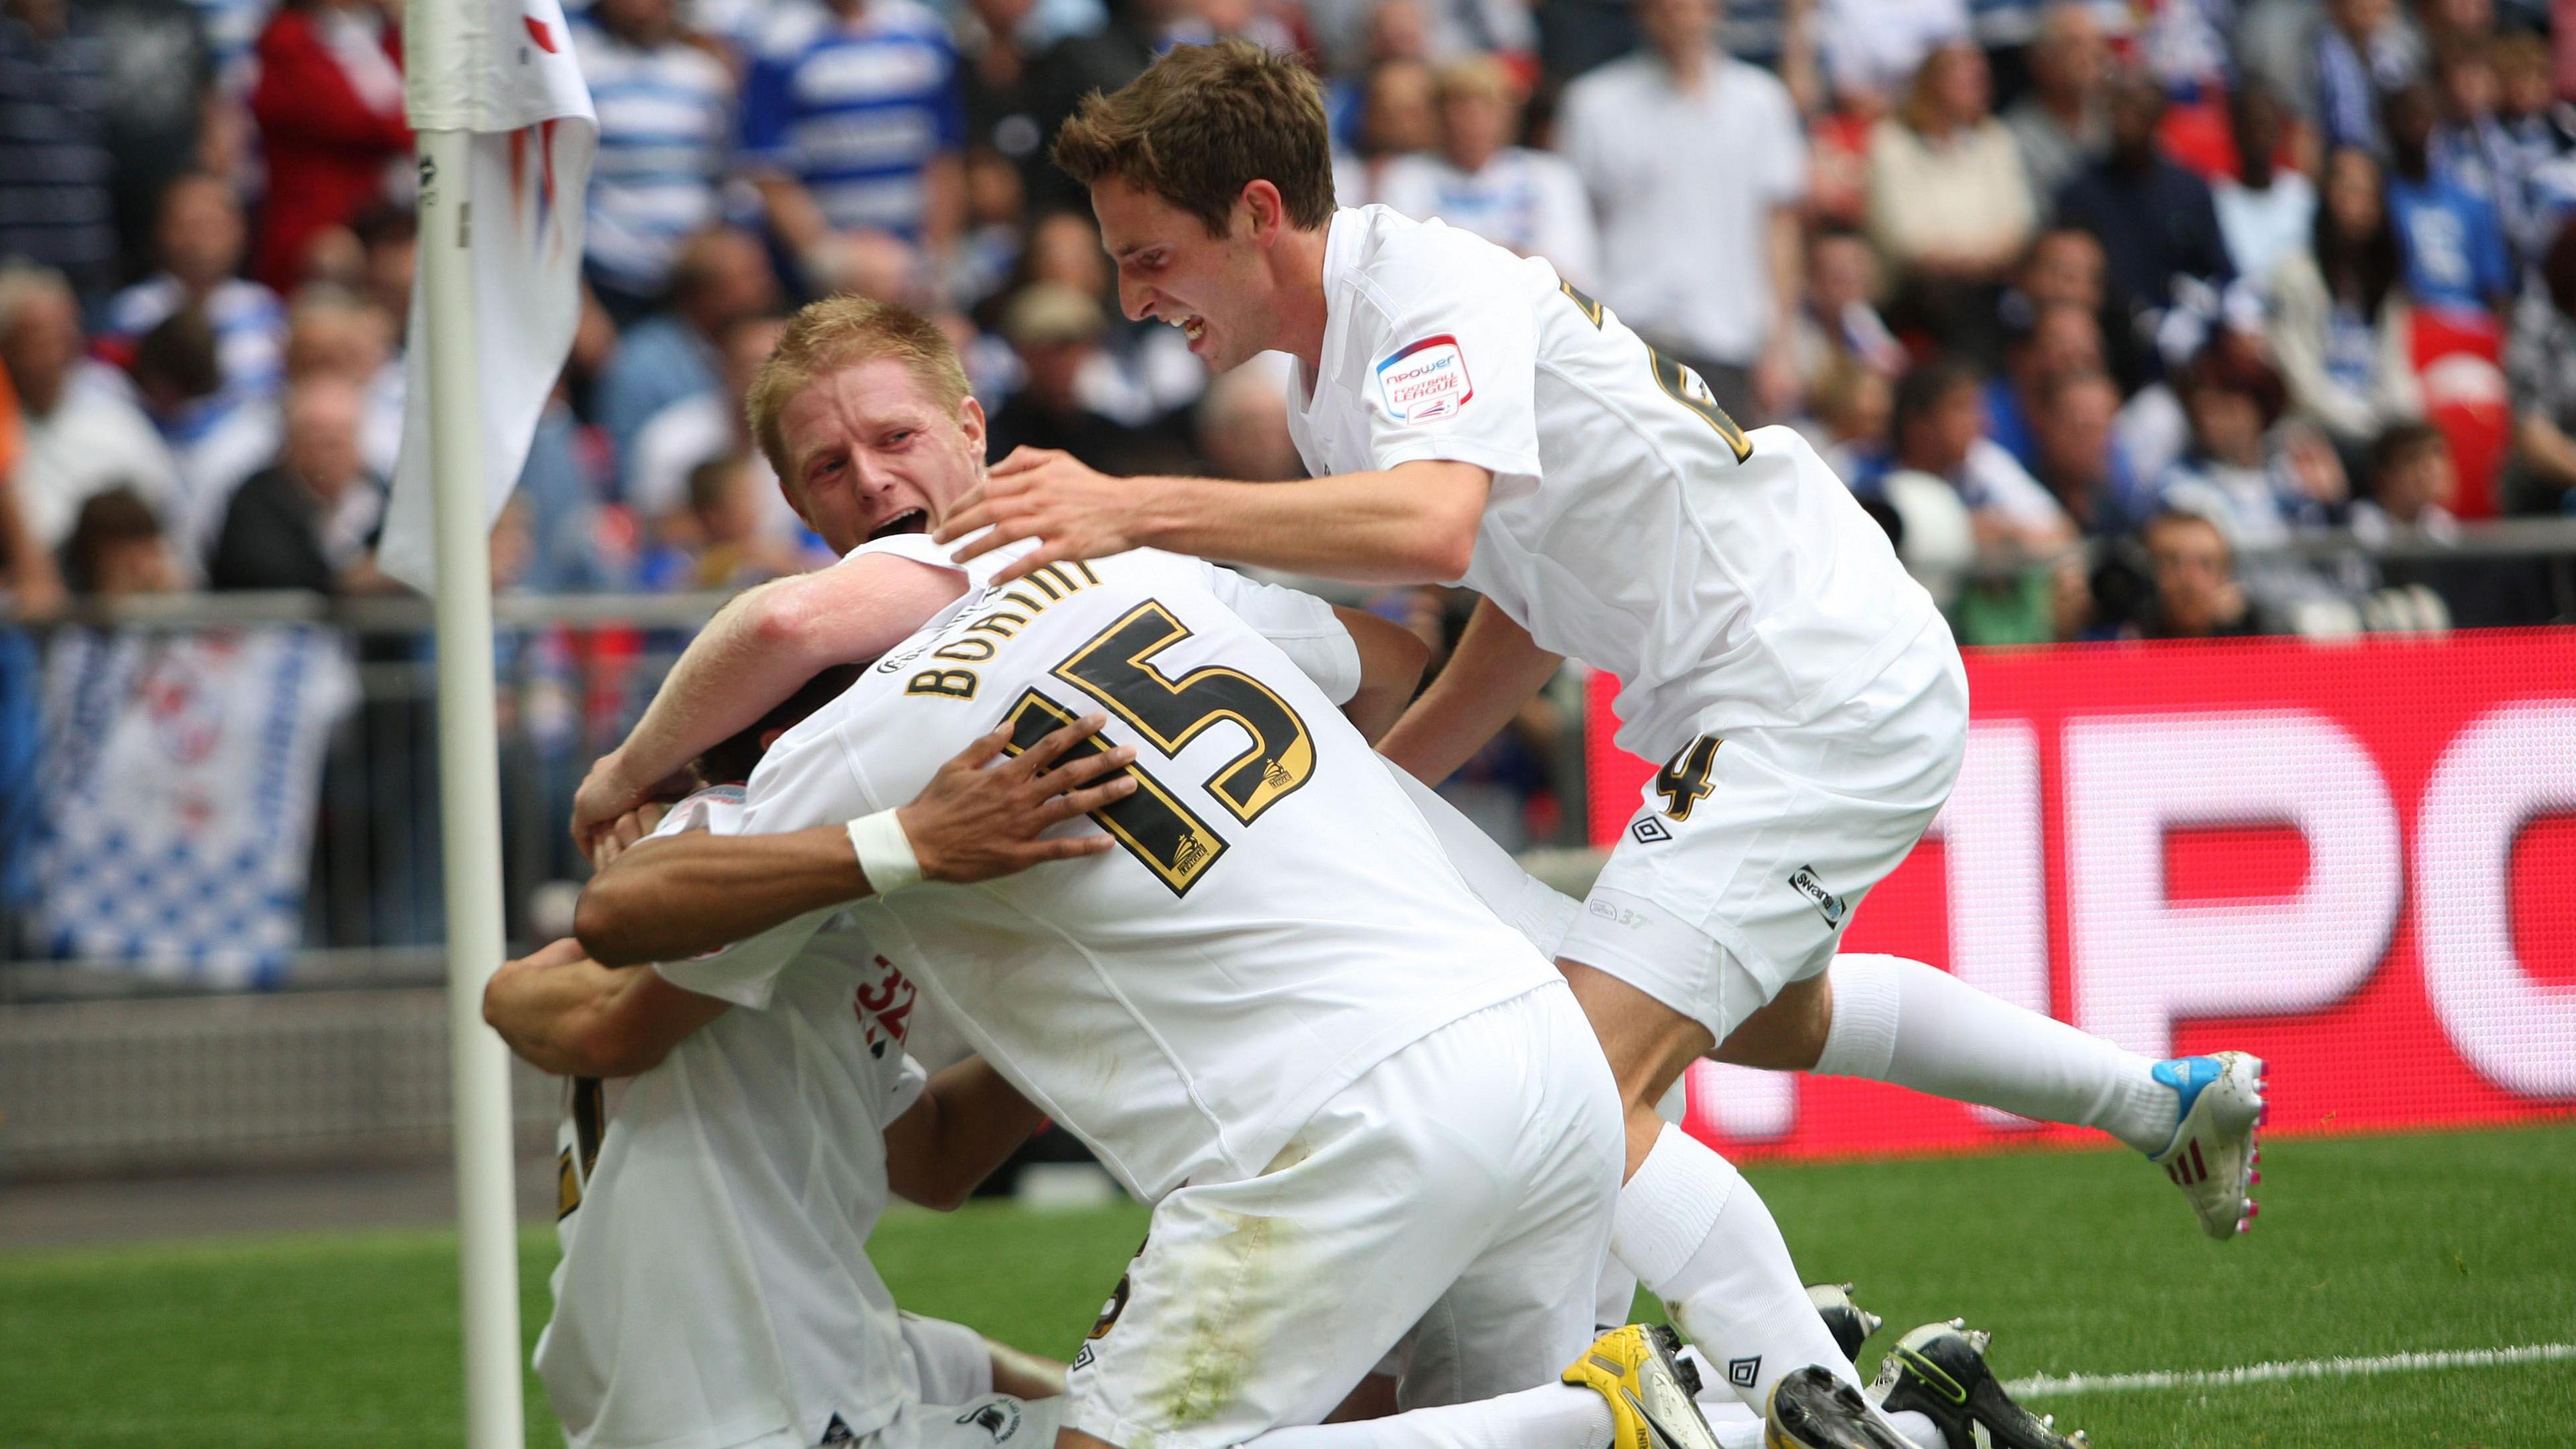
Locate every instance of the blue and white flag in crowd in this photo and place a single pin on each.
(517, 88)
(177, 790)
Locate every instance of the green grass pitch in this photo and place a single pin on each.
(2082, 1262)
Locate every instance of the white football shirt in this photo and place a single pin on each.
(714, 1211)
(1728, 579)
(1277, 917)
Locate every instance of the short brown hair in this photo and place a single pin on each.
(1202, 123)
(826, 336)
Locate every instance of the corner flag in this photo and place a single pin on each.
(511, 81)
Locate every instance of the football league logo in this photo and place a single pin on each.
(1425, 381)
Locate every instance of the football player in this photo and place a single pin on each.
(1272, 1009)
(728, 1145)
(1471, 417)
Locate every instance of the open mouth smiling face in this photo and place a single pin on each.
(910, 520)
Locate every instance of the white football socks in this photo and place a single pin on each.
(1551, 1416)
(1904, 1022)
(1700, 1238)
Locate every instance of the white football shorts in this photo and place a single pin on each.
(1464, 1184)
(1749, 853)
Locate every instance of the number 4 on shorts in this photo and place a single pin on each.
(1683, 781)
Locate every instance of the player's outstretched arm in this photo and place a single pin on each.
(1495, 670)
(759, 649)
(684, 895)
(1410, 524)
(967, 1122)
(567, 1014)
(1391, 662)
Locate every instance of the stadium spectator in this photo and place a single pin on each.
(1876, 48)
(1849, 405)
(2062, 338)
(852, 119)
(1055, 331)
(2193, 566)
(217, 435)
(1949, 204)
(388, 237)
(702, 427)
(79, 435)
(1399, 115)
(2063, 125)
(2257, 483)
(722, 538)
(56, 208)
(2264, 486)
(1078, 62)
(2470, 146)
(1352, 33)
(2450, 241)
(720, 276)
(2364, 51)
(308, 521)
(1939, 428)
(1838, 320)
(117, 549)
(163, 116)
(1242, 426)
(1530, 201)
(1708, 273)
(333, 331)
(2527, 105)
(2412, 483)
(200, 239)
(666, 109)
(2078, 457)
(2156, 221)
(2540, 364)
(2339, 319)
(2066, 266)
(330, 109)
(2267, 210)
(1143, 371)
(34, 587)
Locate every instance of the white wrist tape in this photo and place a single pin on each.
(885, 852)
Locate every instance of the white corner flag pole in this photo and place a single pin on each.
(496, 98)
(469, 798)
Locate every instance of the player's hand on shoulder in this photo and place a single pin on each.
(1072, 509)
(983, 814)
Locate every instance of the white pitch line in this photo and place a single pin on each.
(2049, 1385)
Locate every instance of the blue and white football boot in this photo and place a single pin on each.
(2213, 1152)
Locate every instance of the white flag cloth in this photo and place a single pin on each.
(517, 87)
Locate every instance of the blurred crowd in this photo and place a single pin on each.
(2096, 304)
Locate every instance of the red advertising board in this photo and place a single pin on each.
(2357, 861)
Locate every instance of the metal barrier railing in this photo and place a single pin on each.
(574, 671)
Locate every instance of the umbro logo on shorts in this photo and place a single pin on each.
(1741, 1372)
(1649, 831)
